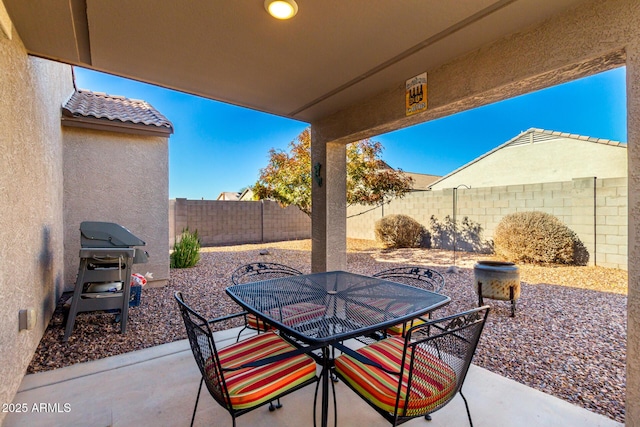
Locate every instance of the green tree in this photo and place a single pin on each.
(370, 181)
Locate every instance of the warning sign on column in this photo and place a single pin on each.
(416, 94)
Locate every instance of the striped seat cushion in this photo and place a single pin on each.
(433, 383)
(381, 310)
(291, 315)
(402, 328)
(301, 312)
(254, 323)
(251, 387)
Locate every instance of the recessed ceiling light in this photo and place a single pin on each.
(281, 9)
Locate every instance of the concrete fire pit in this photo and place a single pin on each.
(498, 280)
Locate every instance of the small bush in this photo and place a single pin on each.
(186, 251)
(538, 237)
(399, 231)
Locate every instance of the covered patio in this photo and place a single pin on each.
(343, 67)
(157, 386)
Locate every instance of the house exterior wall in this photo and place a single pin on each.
(560, 159)
(121, 178)
(31, 226)
(595, 209)
(632, 408)
(233, 222)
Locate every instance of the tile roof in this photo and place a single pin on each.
(87, 105)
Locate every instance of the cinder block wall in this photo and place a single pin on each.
(595, 209)
(234, 222)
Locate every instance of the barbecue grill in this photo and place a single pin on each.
(107, 254)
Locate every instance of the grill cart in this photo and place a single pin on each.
(107, 254)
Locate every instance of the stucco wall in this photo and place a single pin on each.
(633, 307)
(561, 159)
(31, 236)
(121, 178)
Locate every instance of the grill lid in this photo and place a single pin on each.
(94, 234)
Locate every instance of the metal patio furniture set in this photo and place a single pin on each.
(411, 366)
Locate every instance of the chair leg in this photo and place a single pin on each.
(467, 406)
(315, 402)
(193, 417)
(273, 407)
(238, 339)
(335, 401)
(332, 374)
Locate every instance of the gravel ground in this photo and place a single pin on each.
(568, 337)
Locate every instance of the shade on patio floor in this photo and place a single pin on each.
(158, 386)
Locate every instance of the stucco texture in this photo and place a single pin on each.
(633, 308)
(560, 159)
(121, 178)
(31, 237)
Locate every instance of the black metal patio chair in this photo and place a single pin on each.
(412, 376)
(254, 272)
(419, 277)
(249, 373)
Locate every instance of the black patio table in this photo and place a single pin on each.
(324, 309)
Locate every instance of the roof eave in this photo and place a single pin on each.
(115, 126)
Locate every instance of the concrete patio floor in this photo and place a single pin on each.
(158, 386)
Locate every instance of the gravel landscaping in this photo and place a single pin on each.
(568, 337)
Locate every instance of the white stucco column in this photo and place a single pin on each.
(632, 418)
(329, 204)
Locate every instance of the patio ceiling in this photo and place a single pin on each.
(334, 54)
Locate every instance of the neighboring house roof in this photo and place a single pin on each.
(100, 111)
(229, 195)
(532, 136)
(422, 181)
(247, 194)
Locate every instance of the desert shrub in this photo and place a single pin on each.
(186, 251)
(538, 237)
(468, 235)
(399, 231)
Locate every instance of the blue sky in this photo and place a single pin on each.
(219, 147)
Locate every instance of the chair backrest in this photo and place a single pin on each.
(204, 351)
(445, 347)
(262, 271)
(420, 277)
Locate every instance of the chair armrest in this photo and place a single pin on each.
(227, 317)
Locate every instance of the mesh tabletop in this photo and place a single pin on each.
(327, 307)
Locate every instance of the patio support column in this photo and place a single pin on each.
(329, 204)
(632, 406)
